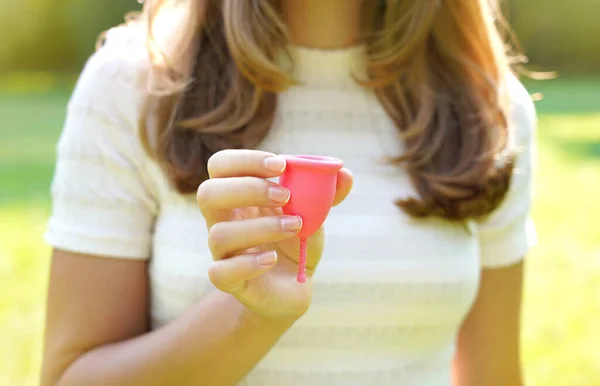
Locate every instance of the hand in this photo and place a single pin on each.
(254, 247)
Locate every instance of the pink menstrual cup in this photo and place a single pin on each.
(312, 182)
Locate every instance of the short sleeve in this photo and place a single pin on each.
(508, 233)
(102, 202)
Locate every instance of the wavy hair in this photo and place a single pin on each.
(437, 67)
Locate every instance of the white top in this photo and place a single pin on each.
(390, 292)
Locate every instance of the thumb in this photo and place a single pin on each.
(230, 275)
(344, 185)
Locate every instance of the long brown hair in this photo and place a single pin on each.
(437, 67)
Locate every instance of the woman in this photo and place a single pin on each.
(189, 105)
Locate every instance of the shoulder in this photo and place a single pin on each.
(123, 51)
(102, 114)
(115, 75)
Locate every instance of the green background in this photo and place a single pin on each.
(45, 43)
(58, 35)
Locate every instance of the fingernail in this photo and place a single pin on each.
(267, 258)
(275, 164)
(278, 194)
(292, 223)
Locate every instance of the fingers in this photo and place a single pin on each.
(344, 185)
(230, 237)
(239, 192)
(230, 275)
(238, 180)
(238, 163)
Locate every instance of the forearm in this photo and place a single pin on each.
(474, 366)
(463, 377)
(488, 344)
(216, 343)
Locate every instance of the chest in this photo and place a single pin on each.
(379, 266)
(384, 277)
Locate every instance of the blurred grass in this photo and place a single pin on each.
(562, 295)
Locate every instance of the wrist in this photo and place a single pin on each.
(263, 323)
(248, 320)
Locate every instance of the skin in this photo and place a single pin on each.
(489, 341)
(97, 332)
(218, 341)
(323, 24)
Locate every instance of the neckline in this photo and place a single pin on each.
(327, 67)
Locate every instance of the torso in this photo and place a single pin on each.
(390, 292)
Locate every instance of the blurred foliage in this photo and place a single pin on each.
(562, 291)
(557, 34)
(54, 35)
(59, 35)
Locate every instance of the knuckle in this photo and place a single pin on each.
(222, 278)
(276, 225)
(251, 190)
(215, 276)
(268, 228)
(272, 228)
(217, 238)
(259, 189)
(213, 162)
(203, 193)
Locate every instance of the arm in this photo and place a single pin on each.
(96, 331)
(488, 342)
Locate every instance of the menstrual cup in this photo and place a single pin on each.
(312, 182)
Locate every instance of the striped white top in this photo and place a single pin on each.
(390, 292)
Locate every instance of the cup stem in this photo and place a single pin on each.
(302, 261)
